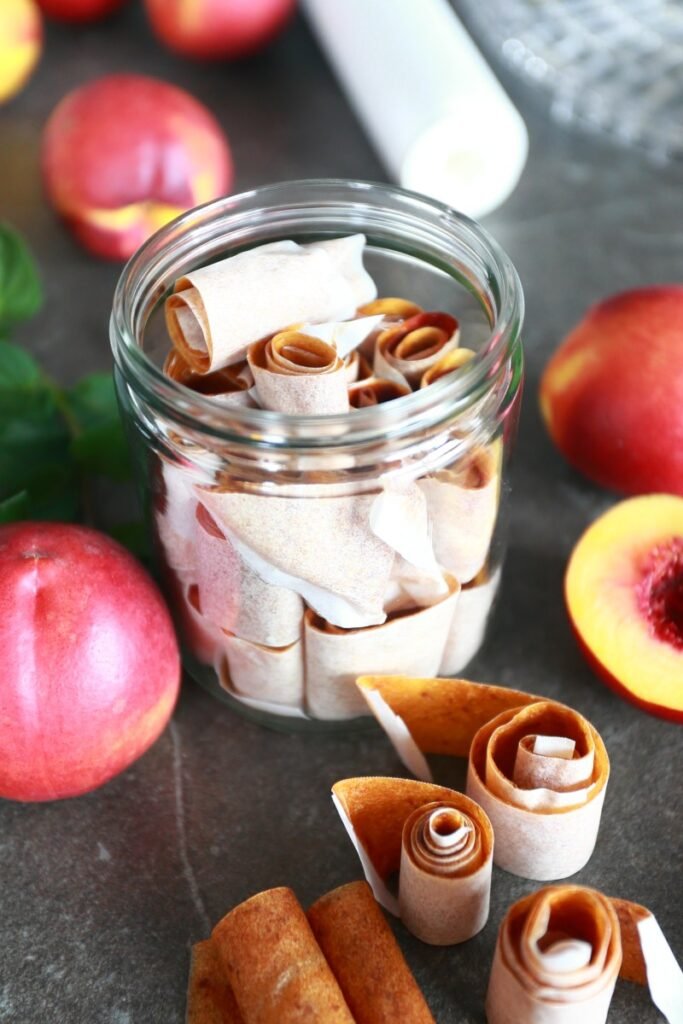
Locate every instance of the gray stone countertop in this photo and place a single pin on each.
(103, 895)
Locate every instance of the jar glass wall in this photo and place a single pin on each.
(300, 552)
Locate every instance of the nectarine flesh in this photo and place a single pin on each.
(624, 594)
(612, 394)
(21, 36)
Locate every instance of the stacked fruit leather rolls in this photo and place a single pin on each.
(560, 951)
(439, 841)
(538, 768)
(267, 962)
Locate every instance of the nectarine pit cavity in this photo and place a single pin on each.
(660, 591)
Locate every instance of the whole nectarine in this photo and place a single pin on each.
(612, 394)
(124, 154)
(218, 28)
(21, 40)
(80, 10)
(90, 664)
(624, 594)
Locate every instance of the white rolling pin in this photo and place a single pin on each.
(431, 105)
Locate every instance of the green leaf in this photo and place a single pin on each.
(18, 370)
(20, 290)
(99, 445)
(14, 508)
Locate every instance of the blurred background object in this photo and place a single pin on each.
(435, 112)
(216, 29)
(80, 10)
(21, 40)
(615, 66)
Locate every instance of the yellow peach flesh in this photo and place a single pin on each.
(20, 44)
(602, 584)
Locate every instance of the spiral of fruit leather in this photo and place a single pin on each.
(445, 873)
(274, 965)
(557, 959)
(538, 768)
(298, 374)
(374, 391)
(365, 958)
(229, 386)
(405, 351)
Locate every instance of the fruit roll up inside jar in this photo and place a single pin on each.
(304, 537)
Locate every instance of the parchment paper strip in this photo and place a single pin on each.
(344, 335)
(274, 965)
(445, 873)
(405, 351)
(322, 548)
(649, 959)
(210, 999)
(235, 598)
(365, 958)
(271, 674)
(298, 374)
(335, 657)
(201, 636)
(217, 311)
(374, 811)
(463, 504)
(469, 623)
(174, 519)
(540, 973)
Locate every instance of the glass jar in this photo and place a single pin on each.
(298, 552)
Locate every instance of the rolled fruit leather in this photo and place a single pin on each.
(299, 375)
(274, 965)
(560, 950)
(405, 351)
(210, 999)
(395, 825)
(365, 958)
(538, 768)
(217, 311)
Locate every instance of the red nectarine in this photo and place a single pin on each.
(624, 594)
(80, 10)
(90, 664)
(125, 154)
(218, 28)
(612, 394)
(21, 38)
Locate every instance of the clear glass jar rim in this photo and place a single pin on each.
(407, 414)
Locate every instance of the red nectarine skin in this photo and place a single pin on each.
(624, 595)
(90, 663)
(612, 393)
(216, 29)
(124, 154)
(80, 10)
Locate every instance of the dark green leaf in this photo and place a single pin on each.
(20, 291)
(102, 450)
(18, 370)
(99, 445)
(14, 508)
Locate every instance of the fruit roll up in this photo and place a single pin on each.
(217, 311)
(335, 657)
(449, 363)
(445, 873)
(320, 547)
(463, 504)
(298, 374)
(557, 959)
(367, 391)
(235, 598)
(271, 675)
(210, 999)
(405, 351)
(274, 965)
(229, 386)
(469, 622)
(374, 812)
(365, 958)
(538, 768)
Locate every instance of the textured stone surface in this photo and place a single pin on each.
(102, 896)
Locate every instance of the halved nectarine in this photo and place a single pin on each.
(624, 594)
